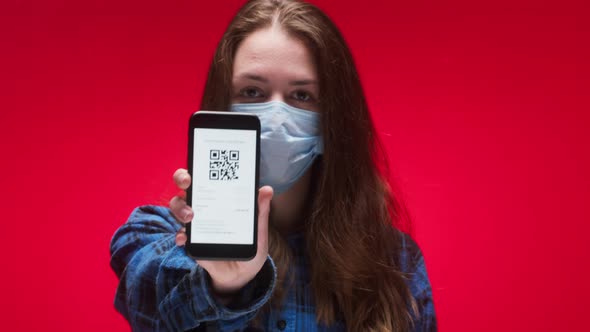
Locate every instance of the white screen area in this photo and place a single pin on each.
(224, 167)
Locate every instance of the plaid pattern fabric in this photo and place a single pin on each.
(162, 289)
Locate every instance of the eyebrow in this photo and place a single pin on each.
(303, 82)
(259, 78)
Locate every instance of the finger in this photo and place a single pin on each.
(180, 239)
(182, 178)
(264, 197)
(180, 210)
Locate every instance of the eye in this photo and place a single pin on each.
(302, 96)
(251, 92)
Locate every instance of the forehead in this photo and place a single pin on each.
(273, 53)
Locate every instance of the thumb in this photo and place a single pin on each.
(264, 197)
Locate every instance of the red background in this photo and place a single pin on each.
(483, 107)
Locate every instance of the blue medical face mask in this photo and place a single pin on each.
(289, 141)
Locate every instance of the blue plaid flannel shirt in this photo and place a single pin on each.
(162, 289)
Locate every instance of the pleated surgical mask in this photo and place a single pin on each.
(290, 141)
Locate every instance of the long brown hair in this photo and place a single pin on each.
(351, 243)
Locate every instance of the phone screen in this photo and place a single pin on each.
(223, 189)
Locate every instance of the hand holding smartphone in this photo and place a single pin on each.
(223, 161)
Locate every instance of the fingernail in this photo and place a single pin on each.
(188, 215)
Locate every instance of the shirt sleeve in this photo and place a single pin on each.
(413, 262)
(162, 289)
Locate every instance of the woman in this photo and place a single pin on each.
(333, 261)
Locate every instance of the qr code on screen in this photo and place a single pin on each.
(224, 164)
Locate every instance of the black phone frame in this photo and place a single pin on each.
(223, 120)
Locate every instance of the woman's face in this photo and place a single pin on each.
(270, 65)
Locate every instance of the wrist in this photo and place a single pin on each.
(224, 291)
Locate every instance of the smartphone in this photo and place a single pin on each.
(223, 161)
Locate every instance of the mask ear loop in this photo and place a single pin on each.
(319, 147)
